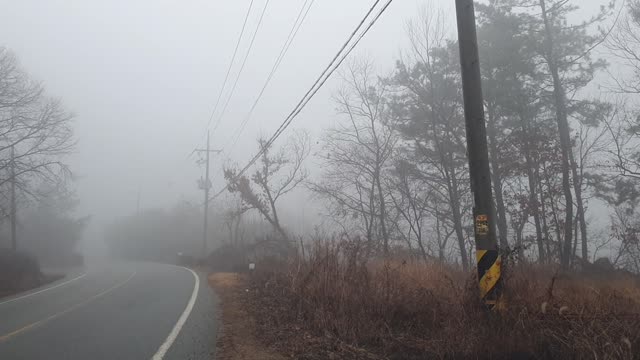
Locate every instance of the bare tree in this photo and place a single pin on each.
(35, 134)
(232, 219)
(625, 127)
(625, 231)
(358, 153)
(36, 127)
(411, 202)
(275, 175)
(624, 43)
(624, 133)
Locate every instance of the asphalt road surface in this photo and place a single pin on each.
(120, 311)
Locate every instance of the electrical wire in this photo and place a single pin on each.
(233, 58)
(226, 76)
(283, 51)
(331, 72)
(244, 61)
(324, 76)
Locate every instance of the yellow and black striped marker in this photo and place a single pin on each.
(489, 263)
(489, 276)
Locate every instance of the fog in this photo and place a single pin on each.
(142, 77)
(206, 178)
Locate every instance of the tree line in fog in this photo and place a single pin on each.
(562, 118)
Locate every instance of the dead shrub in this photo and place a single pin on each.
(398, 309)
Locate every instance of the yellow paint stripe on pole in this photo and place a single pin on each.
(480, 254)
(491, 277)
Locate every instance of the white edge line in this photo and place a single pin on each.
(162, 351)
(43, 290)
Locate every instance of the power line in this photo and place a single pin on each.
(233, 58)
(226, 77)
(244, 61)
(282, 128)
(283, 51)
(317, 84)
(285, 47)
(328, 71)
(322, 78)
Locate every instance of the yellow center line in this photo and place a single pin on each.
(58, 314)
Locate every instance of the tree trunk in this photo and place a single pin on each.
(574, 249)
(554, 216)
(532, 181)
(371, 219)
(519, 236)
(577, 187)
(543, 217)
(457, 220)
(383, 215)
(439, 235)
(236, 236)
(565, 138)
(496, 179)
(448, 167)
(423, 251)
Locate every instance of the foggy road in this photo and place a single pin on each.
(123, 311)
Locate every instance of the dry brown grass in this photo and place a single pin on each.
(336, 305)
(237, 340)
(224, 280)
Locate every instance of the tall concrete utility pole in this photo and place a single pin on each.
(14, 242)
(487, 253)
(206, 186)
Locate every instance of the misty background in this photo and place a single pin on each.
(141, 78)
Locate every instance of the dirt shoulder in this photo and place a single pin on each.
(258, 324)
(238, 338)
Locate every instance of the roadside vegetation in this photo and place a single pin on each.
(337, 304)
(390, 274)
(20, 272)
(36, 199)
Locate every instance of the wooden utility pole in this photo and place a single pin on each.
(206, 186)
(487, 252)
(14, 242)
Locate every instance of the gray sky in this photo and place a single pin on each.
(142, 77)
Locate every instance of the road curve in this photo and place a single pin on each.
(117, 311)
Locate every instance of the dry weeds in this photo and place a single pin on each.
(336, 305)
